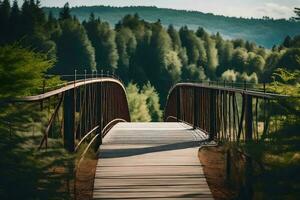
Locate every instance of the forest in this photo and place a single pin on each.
(146, 54)
(264, 31)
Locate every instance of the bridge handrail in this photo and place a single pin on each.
(249, 91)
(69, 86)
(103, 132)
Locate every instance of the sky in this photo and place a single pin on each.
(238, 8)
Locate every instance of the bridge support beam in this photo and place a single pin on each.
(99, 115)
(196, 108)
(69, 120)
(212, 114)
(178, 114)
(248, 118)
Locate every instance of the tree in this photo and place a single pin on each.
(103, 40)
(272, 63)
(138, 109)
(126, 45)
(65, 12)
(194, 47)
(239, 59)
(250, 46)
(290, 60)
(152, 102)
(4, 20)
(212, 58)
(74, 49)
(297, 12)
(230, 75)
(21, 70)
(225, 52)
(165, 66)
(287, 41)
(239, 43)
(201, 33)
(193, 73)
(14, 22)
(256, 64)
(252, 78)
(176, 42)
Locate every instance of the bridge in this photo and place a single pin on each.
(150, 160)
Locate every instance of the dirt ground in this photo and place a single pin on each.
(85, 179)
(213, 161)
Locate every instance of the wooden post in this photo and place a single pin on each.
(178, 113)
(196, 108)
(212, 114)
(69, 121)
(248, 119)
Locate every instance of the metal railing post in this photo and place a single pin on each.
(196, 108)
(178, 113)
(212, 113)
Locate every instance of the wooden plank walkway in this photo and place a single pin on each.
(151, 161)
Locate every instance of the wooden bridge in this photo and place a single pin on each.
(151, 160)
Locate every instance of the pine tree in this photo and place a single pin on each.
(287, 41)
(74, 49)
(103, 40)
(174, 35)
(4, 20)
(65, 12)
(297, 12)
(126, 45)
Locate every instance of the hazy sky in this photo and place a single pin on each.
(244, 8)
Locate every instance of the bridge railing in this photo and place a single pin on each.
(223, 110)
(80, 107)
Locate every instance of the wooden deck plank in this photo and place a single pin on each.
(151, 161)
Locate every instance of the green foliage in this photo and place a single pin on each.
(126, 45)
(152, 102)
(279, 151)
(74, 49)
(230, 75)
(174, 37)
(194, 46)
(21, 165)
(143, 104)
(32, 172)
(256, 63)
(291, 59)
(249, 78)
(65, 12)
(212, 58)
(138, 109)
(103, 40)
(265, 32)
(21, 71)
(239, 59)
(192, 72)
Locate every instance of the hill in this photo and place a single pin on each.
(265, 32)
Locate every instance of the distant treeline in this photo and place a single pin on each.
(140, 51)
(265, 31)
